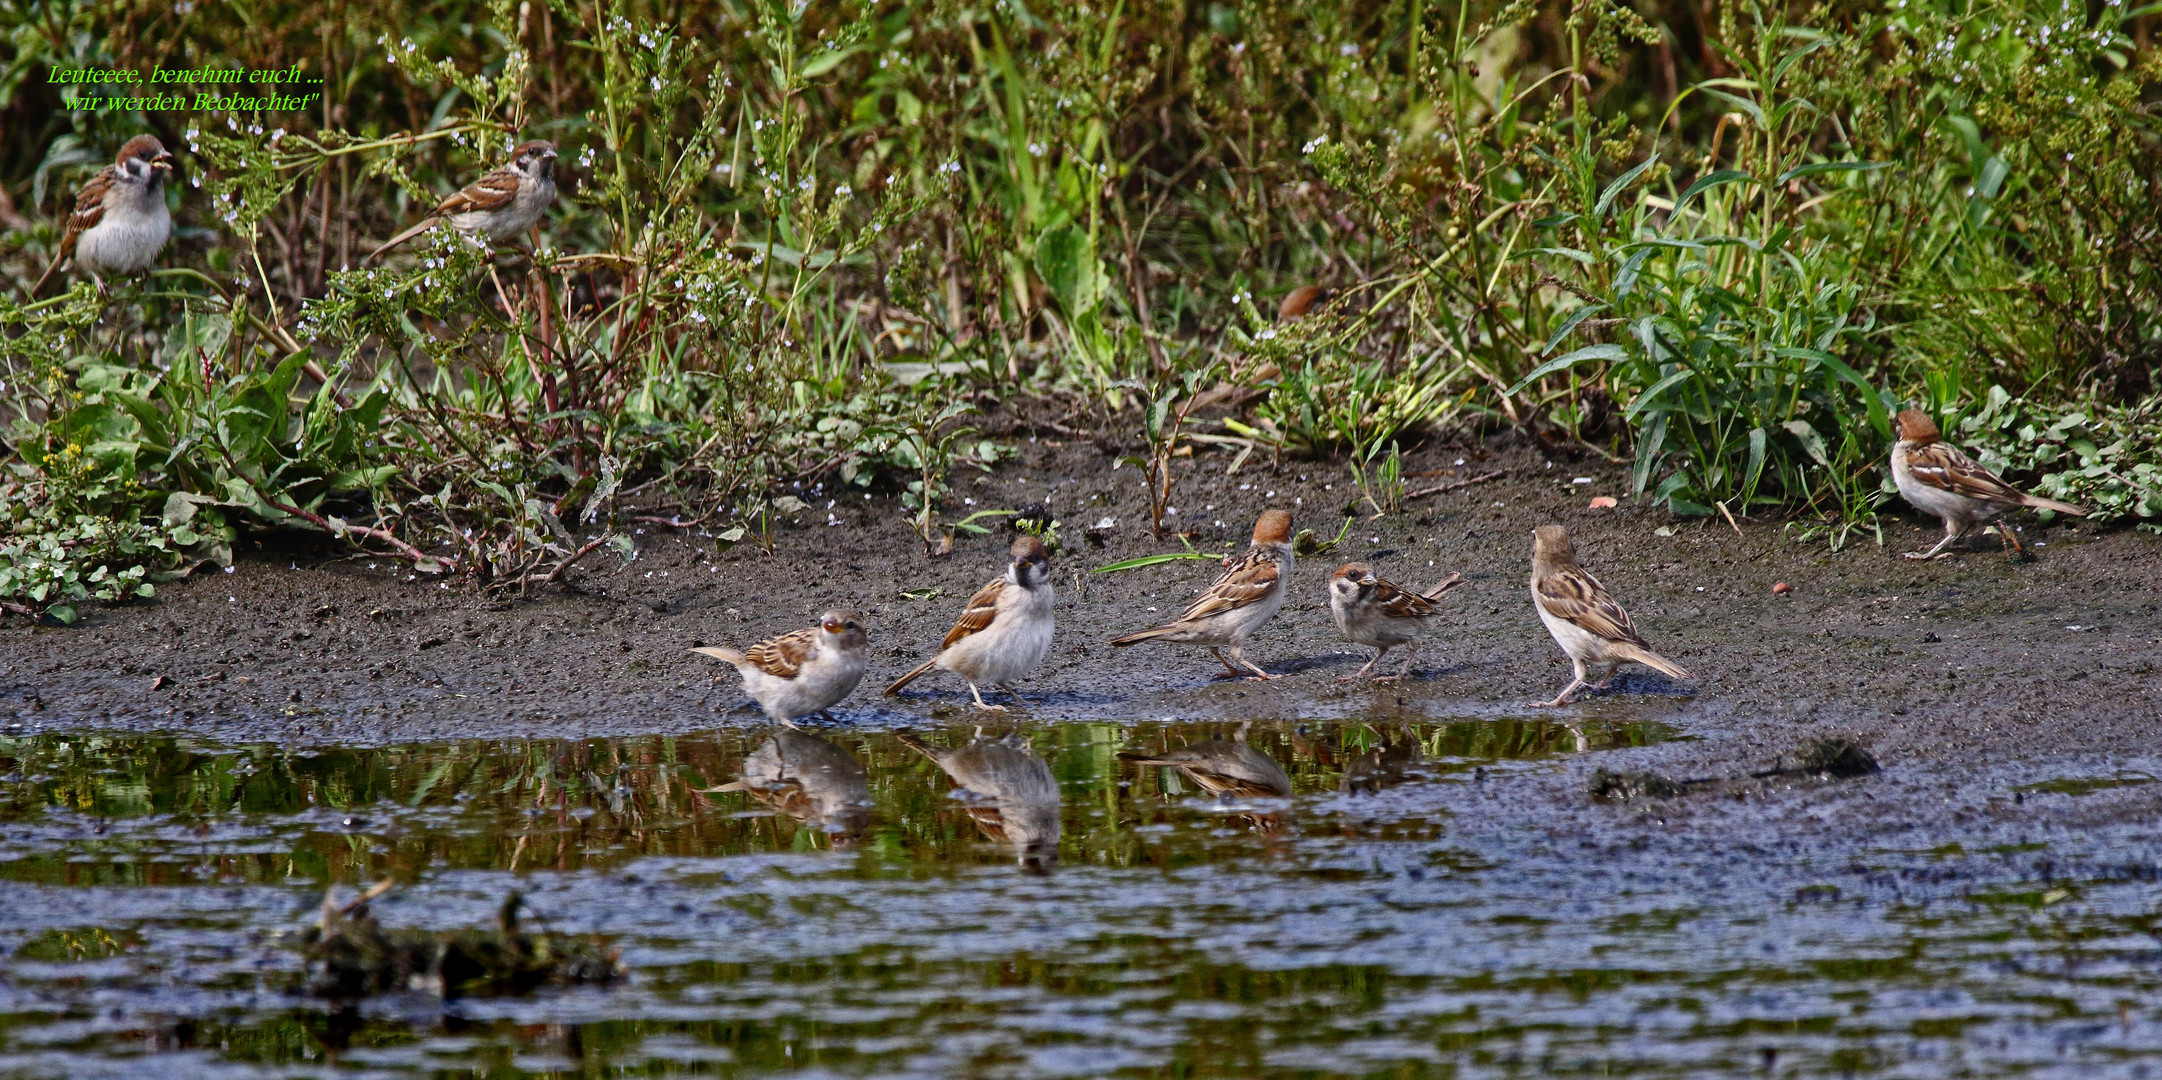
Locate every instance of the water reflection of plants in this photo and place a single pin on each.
(158, 810)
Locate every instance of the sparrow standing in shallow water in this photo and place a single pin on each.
(506, 201)
(803, 671)
(1935, 478)
(1246, 594)
(120, 222)
(1005, 630)
(1583, 617)
(1374, 612)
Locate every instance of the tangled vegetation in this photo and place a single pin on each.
(812, 244)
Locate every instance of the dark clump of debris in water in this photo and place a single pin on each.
(1834, 758)
(351, 955)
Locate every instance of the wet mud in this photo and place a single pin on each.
(1441, 893)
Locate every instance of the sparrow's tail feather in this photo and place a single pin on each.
(904, 680)
(909, 739)
(725, 655)
(45, 277)
(1139, 636)
(1653, 660)
(2039, 503)
(399, 239)
(1444, 585)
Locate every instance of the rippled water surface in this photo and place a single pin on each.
(1036, 906)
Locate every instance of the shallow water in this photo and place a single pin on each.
(1394, 916)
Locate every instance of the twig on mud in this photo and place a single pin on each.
(1455, 484)
(556, 574)
(420, 559)
(1729, 515)
(13, 608)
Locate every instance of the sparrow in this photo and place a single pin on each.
(1005, 630)
(120, 221)
(1246, 594)
(1583, 617)
(1008, 789)
(803, 671)
(1935, 478)
(809, 779)
(1373, 611)
(506, 201)
(1223, 767)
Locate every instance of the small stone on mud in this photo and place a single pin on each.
(1781, 588)
(1632, 785)
(1838, 759)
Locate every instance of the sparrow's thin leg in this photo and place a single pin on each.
(1953, 530)
(1258, 675)
(980, 703)
(2013, 549)
(789, 724)
(1611, 671)
(1410, 654)
(1563, 697)
(1233, 672)
(1362, 671)
(1016, 694)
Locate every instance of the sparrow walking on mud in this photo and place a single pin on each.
(1936, 478)
(1583, 617)
(1375, 612)
(1246, 594)
(1004, 632)
(803, 671)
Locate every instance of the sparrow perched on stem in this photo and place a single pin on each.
(506, 201)
(803, 671)
(1223, 767)
(1010, 792)
(1005, 630)
(1375, 612)
(120, 222)
(1935, 478)
(1246, 594)
(1583, 617)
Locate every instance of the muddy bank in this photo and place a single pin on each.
(1947, 662)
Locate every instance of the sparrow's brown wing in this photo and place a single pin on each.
(982, 607)
(1941, 465)
(1571, 594)
(1398, 603)
(1246, 578)
(89, 209)
(493, 191)
(783, 657)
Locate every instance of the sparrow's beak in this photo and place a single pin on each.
(1369, 581)
(162, 161)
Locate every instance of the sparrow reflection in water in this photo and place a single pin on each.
(811, 780)
(1384, 766)
(1227, 768)
(1010, 793)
